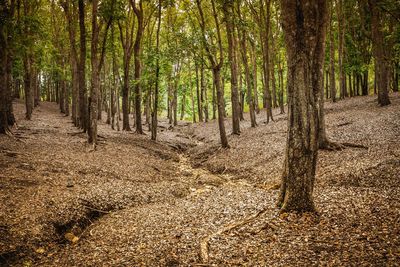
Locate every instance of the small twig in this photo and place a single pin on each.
(344, 124)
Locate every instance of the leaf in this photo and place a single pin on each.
(71, 237)
(40, 250)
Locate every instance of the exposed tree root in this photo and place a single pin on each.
(333, 146)
(354, 145)
(204, 244)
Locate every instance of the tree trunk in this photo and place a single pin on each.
(304, 27)
(83, 120)
(228, 10)
(216, 68)
(265, 48)
(4, 128)
(28, 87)
(254, 63)
(220, 103)
(155, 104)
(191, 94)
(380, 54)
(199, 96)
(138, 67)
(183, 105)
(243, 49)
(332, 82)
(281, 89)
(342, 82)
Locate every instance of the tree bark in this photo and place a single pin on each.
(228, 10)
(249, 85)
(138, 65)
(216, 63)
(83, 119)
(199, 94)
(267, 103)
(304, 25)
(380, 54)
(332, 82)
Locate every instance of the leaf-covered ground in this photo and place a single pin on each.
(184, 201)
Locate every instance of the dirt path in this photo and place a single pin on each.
(133, 202)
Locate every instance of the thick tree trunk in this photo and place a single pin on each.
(304, 26)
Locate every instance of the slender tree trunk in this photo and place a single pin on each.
(199, 96)
(380, 54)
(216, 67)
(220, 103)
(191, 94)
(228, 10)
(243, 48)
(332, 82)
(83, 120)
(342, 83)
(138, 65)
(281, 88)
(266, 58)
(304, 25)
(28, 88)
(350, 86)
(254, 63)
(183, 105)
(365, 83)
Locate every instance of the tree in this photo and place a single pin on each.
(138, 9)
(249, 85)
(6, 32)
(380, 54)
(304, 25)
(216, 64)
(228, 11)
(83, 116)
(155, 103)
(332, 82)
(127, 49)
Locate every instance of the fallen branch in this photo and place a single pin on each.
(354, 145)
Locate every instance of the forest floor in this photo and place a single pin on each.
(184, 201)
